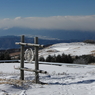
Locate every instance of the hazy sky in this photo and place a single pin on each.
(48, 14)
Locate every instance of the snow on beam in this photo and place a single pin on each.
(28, 44)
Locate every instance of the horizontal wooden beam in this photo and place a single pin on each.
(29, 44)
(31, 70)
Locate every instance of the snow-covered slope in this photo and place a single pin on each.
(68, 79)
(73, 49)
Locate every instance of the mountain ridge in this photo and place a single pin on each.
(8, 42)
(51, 33)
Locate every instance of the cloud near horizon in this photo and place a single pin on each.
(82, 23)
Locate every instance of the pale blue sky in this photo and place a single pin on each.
(45, 8)
(69, 15)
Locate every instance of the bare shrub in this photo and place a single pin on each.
(80, 61)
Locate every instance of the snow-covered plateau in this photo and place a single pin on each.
(77, 48)
(68, 79)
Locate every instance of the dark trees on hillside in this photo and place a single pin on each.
(49, 58)
(4, 56)
(84, 59)
(89, 41)
(59, 58)
(42, 59)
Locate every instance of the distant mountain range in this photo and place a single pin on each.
(59, 34)
(8, 42)
(46, 36)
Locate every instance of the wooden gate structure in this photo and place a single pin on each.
(22, 68)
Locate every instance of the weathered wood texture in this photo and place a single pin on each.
(31, 70)
(22, 59)
(22, 68)
(36, 60)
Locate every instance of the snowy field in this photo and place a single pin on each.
(67, 79)
(77, 48)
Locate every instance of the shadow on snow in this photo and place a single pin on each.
(79, 82)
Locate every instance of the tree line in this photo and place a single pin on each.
(84, 59)
(5, 56)
(57, 58)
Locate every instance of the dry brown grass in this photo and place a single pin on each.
(52, 51)
(93, 54)
(14, 81)
(93, 51)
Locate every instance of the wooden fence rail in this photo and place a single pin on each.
(31, 70)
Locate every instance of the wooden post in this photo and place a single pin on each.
(22, 59)
(36, 60)
(36, 48)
